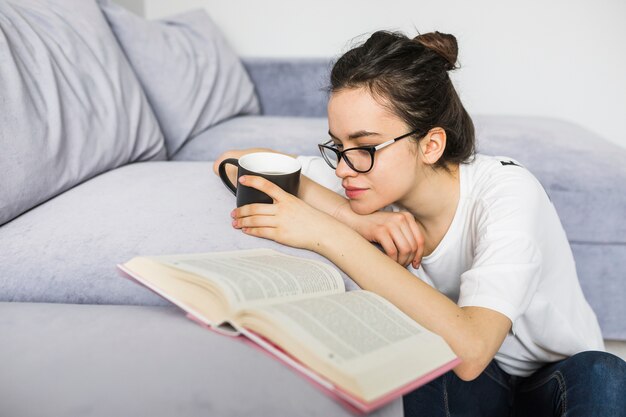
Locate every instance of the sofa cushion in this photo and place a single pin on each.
(192, 78)
(105, 361)
(66, 250)
(584, 174)
(296, 135)
(70, 105)
(291, 86)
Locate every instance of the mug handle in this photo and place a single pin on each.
(224, 177)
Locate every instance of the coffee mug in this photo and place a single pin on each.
(282, 170)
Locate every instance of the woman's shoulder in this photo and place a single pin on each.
(503, 181)
(489, 173)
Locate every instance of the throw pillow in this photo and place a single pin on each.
(70, 105)
(192, 78)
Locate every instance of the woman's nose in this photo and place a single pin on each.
(343, 169)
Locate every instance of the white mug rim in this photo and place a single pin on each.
(286, 164)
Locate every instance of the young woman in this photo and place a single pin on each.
(497, 278)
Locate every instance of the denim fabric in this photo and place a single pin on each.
(586, 384)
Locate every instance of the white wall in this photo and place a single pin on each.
(557, 58)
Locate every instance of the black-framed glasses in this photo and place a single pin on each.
(360, 158)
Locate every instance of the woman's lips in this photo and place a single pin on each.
(353, 192)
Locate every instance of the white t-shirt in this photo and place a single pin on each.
(506, 250)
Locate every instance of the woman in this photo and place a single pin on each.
(498, 280)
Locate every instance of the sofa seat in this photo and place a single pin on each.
(66, 250)
(142, 361)
(296, 135)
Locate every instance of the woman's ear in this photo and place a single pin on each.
(433, 145)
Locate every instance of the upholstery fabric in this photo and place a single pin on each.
(191, 76)
(290, 87)
(66, 250)
(584, 175)
(103, 361)
(70, 105)
(178, 207)
(296, 135)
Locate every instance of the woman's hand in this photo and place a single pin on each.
(397, 232)
(289, 220)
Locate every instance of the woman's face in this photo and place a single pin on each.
(355, 118)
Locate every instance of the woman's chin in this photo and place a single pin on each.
(359, 207)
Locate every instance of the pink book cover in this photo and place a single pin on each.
(351, 402)
(348, 400)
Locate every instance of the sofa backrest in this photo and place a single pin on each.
(192, 78)
(70, 104)
(290, 87)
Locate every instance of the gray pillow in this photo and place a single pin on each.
(192, 78)
(70, 105)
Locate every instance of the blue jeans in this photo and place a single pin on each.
(587, 384)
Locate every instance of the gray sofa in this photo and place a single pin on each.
(78, 339)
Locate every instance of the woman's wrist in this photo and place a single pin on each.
(344, 214)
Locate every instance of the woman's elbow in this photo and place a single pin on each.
(468, 372)
(473, 362)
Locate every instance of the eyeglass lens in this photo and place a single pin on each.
(357, 159)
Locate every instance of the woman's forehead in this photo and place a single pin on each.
(356, 110)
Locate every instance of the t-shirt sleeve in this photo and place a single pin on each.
(507, 261)
(316, 169)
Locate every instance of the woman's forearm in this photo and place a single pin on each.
(323, 199)
(464, 330)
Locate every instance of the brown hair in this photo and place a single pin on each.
(412, 76)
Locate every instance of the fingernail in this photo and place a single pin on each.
(232, 214)
(242, 179)
(234, 223)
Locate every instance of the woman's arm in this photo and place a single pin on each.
(474, 334)
(397, 233)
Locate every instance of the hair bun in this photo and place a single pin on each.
(442, 44)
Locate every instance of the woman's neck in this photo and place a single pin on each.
(433, 203)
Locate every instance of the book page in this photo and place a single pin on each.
(202, 304)
(349, 325)
(260, 276)
(355, 336)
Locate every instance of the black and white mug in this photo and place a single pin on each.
(282, 170)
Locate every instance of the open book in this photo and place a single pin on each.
(355, 345)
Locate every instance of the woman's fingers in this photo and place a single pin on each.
(395, 244)
(404, 242)
(254, 209)
(386, 241)
(419, 238)
(262, 232)
(255, 221)
(401, 239)
(255, 215)
(261, 184)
